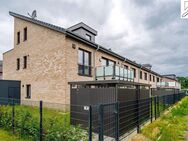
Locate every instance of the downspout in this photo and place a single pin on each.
(94, 55)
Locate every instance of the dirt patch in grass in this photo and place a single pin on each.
(139, 137)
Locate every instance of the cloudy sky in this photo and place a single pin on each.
(146, 31)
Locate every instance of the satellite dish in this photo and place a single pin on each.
(33, 15)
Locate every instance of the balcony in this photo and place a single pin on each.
(175, 85)
(113, 72)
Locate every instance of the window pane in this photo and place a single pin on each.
(80, 57)
(25, 62)
(28, 91)
(104, 62)
(88, 37)
(86, 58)
(111, 63)
(18, 37)
(25, 33)
(86, 70)
(80, 69)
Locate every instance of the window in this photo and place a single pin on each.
(107, 62)
(126, 67)
(153, 78)
(25, 33)
(18, 63)
(150, 77)
(134, 71)
(157, 79)
(18, 37)
(28, 91)
(145, 76)
(84, 62)
(88, 37)
(140, 74)
(24, 62)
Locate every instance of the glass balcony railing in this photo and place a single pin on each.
(113, 72)
(167, 84)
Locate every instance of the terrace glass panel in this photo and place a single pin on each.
(99, 71)
(109, 70)
(117, 69)
(121, 72)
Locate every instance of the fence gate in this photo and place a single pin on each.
(108, 121)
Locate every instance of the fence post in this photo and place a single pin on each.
(174, 100)
(117, 121)
(138, 108)
(101, 123)
(151, 109)
(164, 101)
(155, 103)
(158, 107)
(13, 116)
(41, 130)
(90, 123)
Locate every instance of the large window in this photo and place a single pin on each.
(134, 71)
(25, 33)
(84, 62)
(126, 67)
(140, 74)
(107, 62)
(28, 91)
(150, 77)
(18, 63)
(25, 62)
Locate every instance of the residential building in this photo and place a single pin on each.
(46, 57)
(169, 81)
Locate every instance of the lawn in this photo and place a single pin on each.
(170, 126)
(56, 123)
(7, 136)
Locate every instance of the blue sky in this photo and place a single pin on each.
(146, 31)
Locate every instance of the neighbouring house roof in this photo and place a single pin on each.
(69, 33)
(170, 76)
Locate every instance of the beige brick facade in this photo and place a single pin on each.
(52, 63)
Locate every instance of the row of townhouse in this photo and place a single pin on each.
(46, 57)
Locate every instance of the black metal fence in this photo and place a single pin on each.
(115, 121)
(106, 121)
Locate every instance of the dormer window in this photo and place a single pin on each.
(84, 31)
(88, 37)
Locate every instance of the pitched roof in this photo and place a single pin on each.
(41, 23)
(77, 37)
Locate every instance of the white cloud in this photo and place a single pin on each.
(147, 31)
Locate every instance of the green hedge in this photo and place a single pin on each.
(56, 124)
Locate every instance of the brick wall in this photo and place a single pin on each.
(52, 63)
